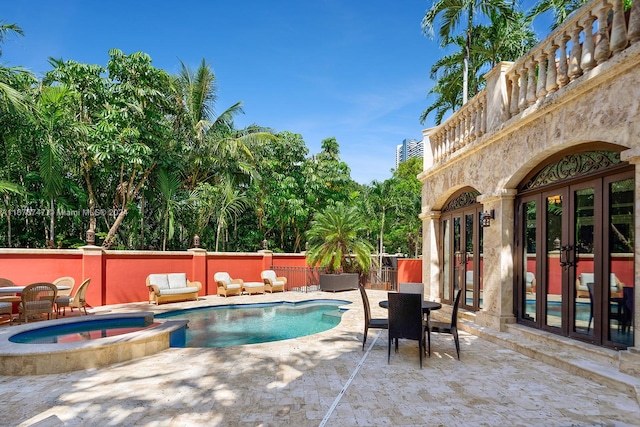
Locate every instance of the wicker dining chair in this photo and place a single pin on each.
(77, 300)
(12, 297)
(7, 308)
(37, 299)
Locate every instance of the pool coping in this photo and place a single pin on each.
(17, 359)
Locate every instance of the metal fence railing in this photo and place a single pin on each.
(300, 279)
(385, 278)
(306, 279)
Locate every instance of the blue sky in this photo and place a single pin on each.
(355, 70)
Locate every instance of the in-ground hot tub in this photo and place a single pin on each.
(32, 349)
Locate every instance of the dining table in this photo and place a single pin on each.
(427, 307)
(18, 289)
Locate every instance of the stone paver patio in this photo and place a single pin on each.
(324, 379)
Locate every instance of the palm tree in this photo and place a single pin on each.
(451, 14)
(168, 186)
(561, 9)
(506, 38)
(10, 97)
(336, 241)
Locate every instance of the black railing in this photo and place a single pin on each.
(306, 279)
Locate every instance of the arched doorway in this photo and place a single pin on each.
(461, 249)
(574, 248)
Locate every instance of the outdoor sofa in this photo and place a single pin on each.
(171, 287)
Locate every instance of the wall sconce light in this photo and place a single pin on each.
(265, 244)
(487, 216)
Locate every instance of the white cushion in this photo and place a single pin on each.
(222, 277)
(177, 280)
(160, 280)
(179, 291)
(268, 274)
(253, 284)
(233, 286)
(278, 283)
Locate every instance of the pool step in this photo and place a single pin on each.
(333, 313)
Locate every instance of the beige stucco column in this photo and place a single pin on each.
(497, 297)
(630, 359)
(430, 257)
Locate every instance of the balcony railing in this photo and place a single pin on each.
(590, 37)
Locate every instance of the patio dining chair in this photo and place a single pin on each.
(368, 321)
(448, 328)
(37, 299)
(77, 300)
(406, 321)
(64, 281)
(9, 297)
(7, 309)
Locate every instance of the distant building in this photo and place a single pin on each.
(408, 149)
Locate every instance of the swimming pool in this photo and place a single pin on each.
(240, 324)
(90, 329)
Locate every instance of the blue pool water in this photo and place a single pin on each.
(226, 326)
(82, 331)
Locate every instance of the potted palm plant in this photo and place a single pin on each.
(336, 244)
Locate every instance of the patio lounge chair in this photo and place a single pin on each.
(226, 285)
(368, 321)
(273, 283)
(37, 299)
(78, 300)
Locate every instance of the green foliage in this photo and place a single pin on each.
(336, 241)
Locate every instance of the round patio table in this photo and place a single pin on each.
(427, 306)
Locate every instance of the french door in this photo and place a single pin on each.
(575, 260)
(462, 257)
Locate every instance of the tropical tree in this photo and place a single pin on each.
(10, 97)
(168, 186)
(561, 9)
(136, 128)
(55, 123)
(506, 38)
(454, 13)
(337, 241)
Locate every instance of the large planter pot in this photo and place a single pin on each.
(338, 282)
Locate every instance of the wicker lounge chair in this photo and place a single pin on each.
(272, 283)
(37, 299)
(226, 285)
(77, 300)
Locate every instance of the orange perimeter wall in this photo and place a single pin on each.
(119, 276)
